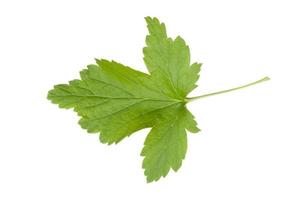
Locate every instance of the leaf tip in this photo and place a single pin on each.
(267, 78)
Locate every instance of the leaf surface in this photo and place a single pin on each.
(116, 101)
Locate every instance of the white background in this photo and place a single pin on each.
(249, 147)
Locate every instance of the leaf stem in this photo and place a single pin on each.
(228, 90)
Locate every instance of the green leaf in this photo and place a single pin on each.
(116, 101)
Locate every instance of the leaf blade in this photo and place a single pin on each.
(116, 101)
